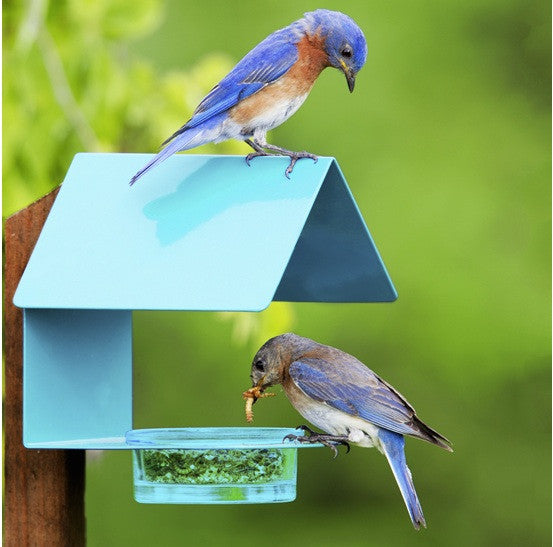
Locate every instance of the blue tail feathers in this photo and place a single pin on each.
(393, 448)
(189, 138)
(169, 150)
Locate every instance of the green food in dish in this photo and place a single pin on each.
(175, 466)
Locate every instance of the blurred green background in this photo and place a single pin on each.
(446, 146)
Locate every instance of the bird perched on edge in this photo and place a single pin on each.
(269, 85)
(340, 395)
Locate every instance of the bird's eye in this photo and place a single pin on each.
(346, 52)
(258, 365)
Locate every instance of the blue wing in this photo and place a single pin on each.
(348, 385)
(264, 64)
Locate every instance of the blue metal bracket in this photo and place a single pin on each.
(201, 233)
(77, 378)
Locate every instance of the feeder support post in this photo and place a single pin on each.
(43, 489)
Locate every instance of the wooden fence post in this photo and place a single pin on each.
(43, 489)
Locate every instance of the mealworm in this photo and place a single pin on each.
(251, 395)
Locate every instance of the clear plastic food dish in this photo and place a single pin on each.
(214, 465)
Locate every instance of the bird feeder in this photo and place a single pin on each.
(214, 465)
(200, 233)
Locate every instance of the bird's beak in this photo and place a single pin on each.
(259, 383)
(350, 75)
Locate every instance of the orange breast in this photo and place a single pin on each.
(297, 82)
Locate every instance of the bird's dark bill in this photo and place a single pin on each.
(350, 77)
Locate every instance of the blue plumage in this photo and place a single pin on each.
(182, 140)
(348, 384)
(264, 64)
(343, 32)
(392, 446)
(347, 400)
(269, 84)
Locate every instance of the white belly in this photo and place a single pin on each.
(276, 114)
(334, 421)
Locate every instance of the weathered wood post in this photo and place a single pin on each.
(43, 489)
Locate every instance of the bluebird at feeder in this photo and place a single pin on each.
(347, 400)
(269, 85)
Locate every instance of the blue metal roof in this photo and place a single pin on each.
(202, 233)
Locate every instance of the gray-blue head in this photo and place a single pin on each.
(345, 43)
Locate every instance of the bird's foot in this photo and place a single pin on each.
(257, 154)
(294, 157)
(265, 149)
(258, 151)
(313, 437)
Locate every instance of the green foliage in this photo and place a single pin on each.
(253, 466)
(72, 85)
(254, 329)
(446, 146)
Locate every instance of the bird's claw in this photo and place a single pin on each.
(307, 429)
(292, 437)
(277, 151)
(253, 155)
(313, 438)
(294, 157)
